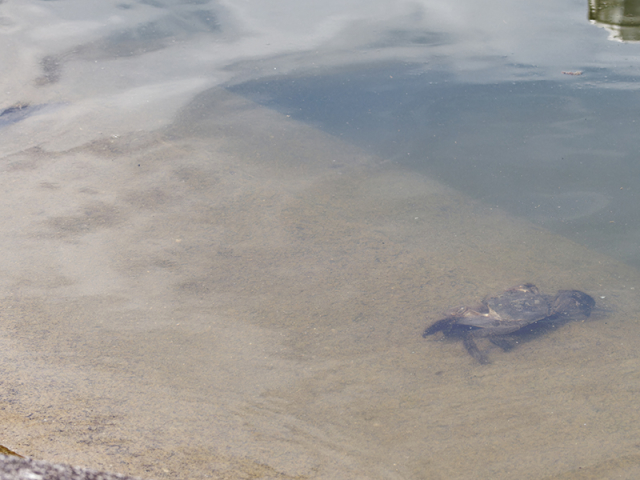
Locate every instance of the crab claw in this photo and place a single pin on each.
(572, 303)
(443, 325)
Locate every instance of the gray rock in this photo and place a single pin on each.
(14, 468)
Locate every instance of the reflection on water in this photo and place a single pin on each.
(620, 17)
(197, 286)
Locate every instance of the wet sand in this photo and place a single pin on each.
(242, 296)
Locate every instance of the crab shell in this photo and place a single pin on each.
(517, 307)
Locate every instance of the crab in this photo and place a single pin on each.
(507, 314)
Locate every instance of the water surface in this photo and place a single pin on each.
(225, 226)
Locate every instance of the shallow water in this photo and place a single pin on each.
(199, 286)
(560, 153)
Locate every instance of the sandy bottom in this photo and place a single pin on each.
(241, 296)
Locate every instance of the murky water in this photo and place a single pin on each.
(198, 286)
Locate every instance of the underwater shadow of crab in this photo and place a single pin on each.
(518, 310)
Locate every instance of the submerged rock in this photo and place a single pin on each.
(16, 468)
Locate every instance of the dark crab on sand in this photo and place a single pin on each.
(506, 315)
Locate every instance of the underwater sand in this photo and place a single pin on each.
(242, 296)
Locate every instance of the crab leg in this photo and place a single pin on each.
(473, 350)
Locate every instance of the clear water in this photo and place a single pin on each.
(226, 224)
(560, 152)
